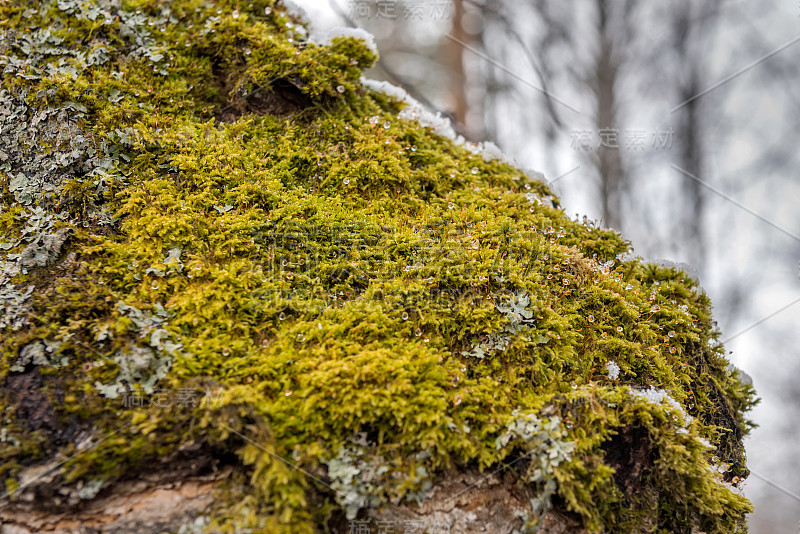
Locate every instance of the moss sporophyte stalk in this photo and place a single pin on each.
(215, 234)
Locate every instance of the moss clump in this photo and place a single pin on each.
(214, 234)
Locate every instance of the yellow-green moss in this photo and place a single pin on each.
(326, 271)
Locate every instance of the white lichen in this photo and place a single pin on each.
(90, 489)
(197, 526)
(613, 370)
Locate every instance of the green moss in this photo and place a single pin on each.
(328, 283)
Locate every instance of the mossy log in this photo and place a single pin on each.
(242, 289)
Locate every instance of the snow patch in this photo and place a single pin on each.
(659, 396)
(744, 378)
(356, 33)
(415, 111)
(440, 124)
(390, 90)
(685, 267)
(295, 11)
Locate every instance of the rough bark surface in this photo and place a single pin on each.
(476, 503)
(160, 502)
(466, 503)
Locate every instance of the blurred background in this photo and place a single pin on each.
(676, 123)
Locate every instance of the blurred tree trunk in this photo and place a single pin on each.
(613, 182)
(689, 30)
(454, 59)
(691, 160)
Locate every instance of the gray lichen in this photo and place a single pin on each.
(42, 353)
(13, 304)
(519, 319)
(545, 447)
(360, 479)
(141, 365)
